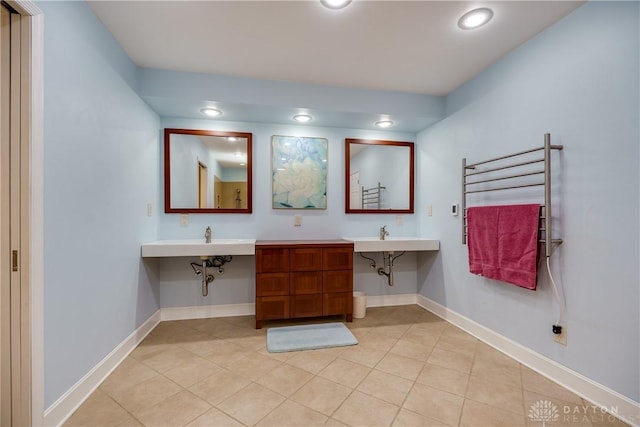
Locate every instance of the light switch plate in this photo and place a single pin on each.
(297, 220)
(399, 220)
(184, 219)
(429, 210)
(149, 209)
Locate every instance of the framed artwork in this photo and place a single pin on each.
(299, 172)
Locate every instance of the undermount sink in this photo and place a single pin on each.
(393, 244)
(198, 247)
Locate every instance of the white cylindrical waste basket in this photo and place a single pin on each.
(359, 304)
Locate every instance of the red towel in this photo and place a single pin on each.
(503, 243)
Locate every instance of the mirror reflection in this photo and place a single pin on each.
(379, 176)
(207, 171)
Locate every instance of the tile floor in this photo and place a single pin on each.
(410, 369)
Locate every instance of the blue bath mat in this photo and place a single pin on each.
(308, 337)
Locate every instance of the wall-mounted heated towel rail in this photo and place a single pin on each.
(479, 178)
(372, 197)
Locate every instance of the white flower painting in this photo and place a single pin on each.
(299, 170)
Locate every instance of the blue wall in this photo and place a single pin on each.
(577, 80)
(101, 169)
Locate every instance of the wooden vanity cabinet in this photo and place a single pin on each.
(303, 279)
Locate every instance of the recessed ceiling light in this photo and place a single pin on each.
(384, 123)
(232, 138)
(475, 18)
(237, 154)
(211, 112)
(335, 4)
(302, 118)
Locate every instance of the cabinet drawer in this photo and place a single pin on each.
(306, 282)
(337, 281)
(272, 307)
(272, 260)
(337, 303)
(337, 258)
(306, 305)
(306, 259)
(268, 284)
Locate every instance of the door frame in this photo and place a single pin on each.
(32, 192)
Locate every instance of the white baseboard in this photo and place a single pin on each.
(206, 311)
(389, 300)
(64, 407)
(602, 396)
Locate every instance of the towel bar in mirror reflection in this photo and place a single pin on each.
(379, 176)
(207, 171)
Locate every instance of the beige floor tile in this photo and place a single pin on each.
(130, 372)
(394, 341)
(170, 357)
(251, 365)
(450, 359)
(387, 387)
(253, 343)
(400, 366)
(100, 410)
(321, 395)
(436, 404)
(332, 422)
(406, 418)
(177, 410)
(457, 343)
(364, 355)
(444, 379)
(215, 418)
(251, 404)
(422, 336)
(193, 372)
(495, 393)
(285, 379)
(363, 410)
(486, 353)
(294, 415)
(412, 349)
(204, 348)
(477, 414)
(393, 331)
(484, 368)
(219, 386)
(376, 340)
(313, 360)
(146, 394)
(344, 372)
(533, 381)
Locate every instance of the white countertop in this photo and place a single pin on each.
(393, 244)
(198, 247)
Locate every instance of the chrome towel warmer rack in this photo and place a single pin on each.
(470, 171)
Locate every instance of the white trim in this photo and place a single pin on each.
(207, 311)
(389, 300)
(590, 390)
(66, 405)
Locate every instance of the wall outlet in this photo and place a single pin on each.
(149, 209)
(184, 220)
(429, 210)
(398, 219)
(297, 220)
(562, 337)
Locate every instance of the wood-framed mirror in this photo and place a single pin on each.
(379, 176)
(207, 171)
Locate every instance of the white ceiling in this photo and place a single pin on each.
(406, 46)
